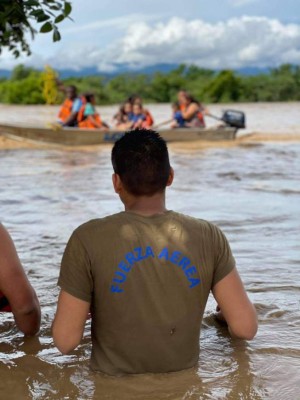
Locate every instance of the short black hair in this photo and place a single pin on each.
(72, 87)
(141, 159)
(89, 97)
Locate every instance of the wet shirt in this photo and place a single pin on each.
(148, 280)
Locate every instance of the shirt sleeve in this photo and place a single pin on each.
(75, 273)
(76, 105)
(224, 260)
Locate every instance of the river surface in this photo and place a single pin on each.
(252, 192)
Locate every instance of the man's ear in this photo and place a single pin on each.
(171, 177)
(117, 183)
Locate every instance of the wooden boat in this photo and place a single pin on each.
(87, 137)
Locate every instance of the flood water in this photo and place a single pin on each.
(251, 192)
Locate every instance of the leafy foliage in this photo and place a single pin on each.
(18, 16)
(49, 82)
(27, 86)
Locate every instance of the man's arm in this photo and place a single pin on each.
(16, 287)
(235, 306)
(69, 121)
(69, 322)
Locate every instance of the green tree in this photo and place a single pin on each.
(225, 87)
(23, 91)
(17, 18)
(20, 72)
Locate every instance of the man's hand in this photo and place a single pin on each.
(235, 306)
(219, 315)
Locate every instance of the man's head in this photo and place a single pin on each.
(141, 164)
(71, 92)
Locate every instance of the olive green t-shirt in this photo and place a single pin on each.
(148, 280)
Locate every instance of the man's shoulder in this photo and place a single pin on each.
(197, 223)
(97, 224)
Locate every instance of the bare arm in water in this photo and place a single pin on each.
(69, 322)
(235, 308)
(16, 288)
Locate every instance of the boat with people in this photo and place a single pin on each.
(79, 123)
(70, 136)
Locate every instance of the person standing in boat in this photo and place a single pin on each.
(16, 293)
(192, 110)
(70, 108)
(146, 273)
(87, 117)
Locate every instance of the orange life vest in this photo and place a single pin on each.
(87, 122)
(199, 114)
(65, 110)
(149, 119)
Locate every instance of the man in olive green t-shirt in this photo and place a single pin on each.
(146, 273)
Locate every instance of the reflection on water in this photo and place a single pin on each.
(251, 192)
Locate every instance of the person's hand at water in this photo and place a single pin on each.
(219, 315)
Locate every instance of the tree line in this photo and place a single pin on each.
(30, 86)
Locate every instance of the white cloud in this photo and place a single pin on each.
(247, 41)
(238, 42)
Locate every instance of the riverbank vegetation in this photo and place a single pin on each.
(30, 86)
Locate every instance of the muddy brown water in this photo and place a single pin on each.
(251, 192)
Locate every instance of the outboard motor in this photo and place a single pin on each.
(235, 119)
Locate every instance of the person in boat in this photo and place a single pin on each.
(138, 119)
(124, 116)
(192, 111)
(146, 273)
(70, 108)
(135, 99)
(178, 120)
(87, 117)
(16, 293)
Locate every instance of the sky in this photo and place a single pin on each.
(137, 33)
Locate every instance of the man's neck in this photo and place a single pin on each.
(147, 205)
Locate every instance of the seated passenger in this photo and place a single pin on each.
(70, 107)
(178, 120)
(88, 117)
(16, 293)
(123, 117)
(138, 118)
(137, 99)
(192, 111)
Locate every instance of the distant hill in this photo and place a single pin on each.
(122, 69)
(252, 71)
(4, 73)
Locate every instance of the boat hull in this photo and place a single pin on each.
(87, 137)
